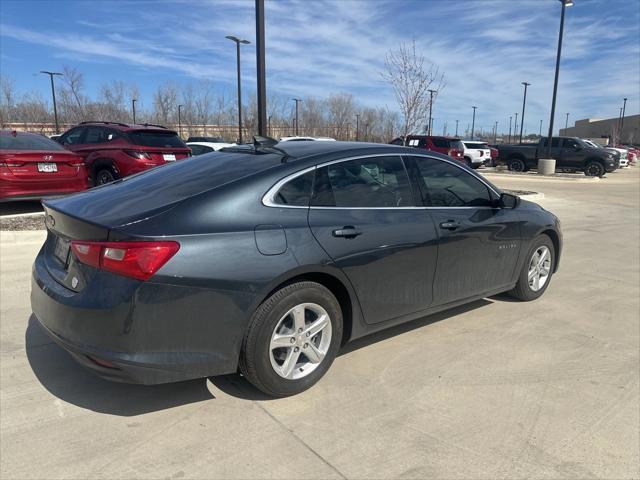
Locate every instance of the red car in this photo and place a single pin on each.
(33, 167)
(447, 145)
(114, 150)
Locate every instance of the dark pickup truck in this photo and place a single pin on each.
(571, 154)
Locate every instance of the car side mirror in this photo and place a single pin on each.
(509, 201)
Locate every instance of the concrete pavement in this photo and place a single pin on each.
(495, 389)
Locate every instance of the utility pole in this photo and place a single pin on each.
(260, 70)
(133, 107)
(515, 127)
(510, 120)
(53, 94)
(473, 124)
(297, 100)
(524, 101)
(566, 122)
(540, 132)
(624, 108)
(457, 127)
(431, 92)
(357, 126)
(238, 41)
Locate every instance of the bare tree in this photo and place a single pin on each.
(341, 110)
(72, 100)
(411, 80)
(7, 100)
(165, 103)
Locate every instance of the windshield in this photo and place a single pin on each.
(156, 138)
(28, 142)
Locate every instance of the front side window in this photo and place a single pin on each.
(72, 137)
(555, 142)
(446, 185)
(376, 182)
(296, 192)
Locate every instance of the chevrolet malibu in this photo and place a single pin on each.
(273, 256)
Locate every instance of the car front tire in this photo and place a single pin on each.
(594, 169)
(537, 270)
(516, 165)
(104, 176)
(292, 339)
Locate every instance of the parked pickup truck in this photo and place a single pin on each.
(571, 154)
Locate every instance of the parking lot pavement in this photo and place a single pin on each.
(496, 389)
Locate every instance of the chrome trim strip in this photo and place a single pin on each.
(268, 198)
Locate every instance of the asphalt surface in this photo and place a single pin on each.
(495, 389)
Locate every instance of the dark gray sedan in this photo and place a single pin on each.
(273, 256)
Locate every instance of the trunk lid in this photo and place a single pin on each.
(40, 165)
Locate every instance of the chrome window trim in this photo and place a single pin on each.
(268, 199)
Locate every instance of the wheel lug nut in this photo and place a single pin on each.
(296, 349)
(306, 345)
(293, 340)
(299, 330)
(308, 334)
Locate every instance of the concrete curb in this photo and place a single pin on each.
(21, 215)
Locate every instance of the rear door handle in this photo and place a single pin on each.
(449, 225)
(347, 232)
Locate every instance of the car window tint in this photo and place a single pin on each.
(446, 185)
(21, 141)
(200, 149)
(96, 135)
(369, 182)
(569, 143)
(156, 138)
(297, 191)
(555, 142)
(440, 142)
(72, 137)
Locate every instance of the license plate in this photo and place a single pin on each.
(169, 157)
(61, 252)
(47, 167)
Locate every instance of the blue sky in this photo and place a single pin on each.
(486, 48)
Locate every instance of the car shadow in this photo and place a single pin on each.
(64, 378)
(236, 385)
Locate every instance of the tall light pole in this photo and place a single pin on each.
(624, 108)
(473, 123)
(260, 69)
(133, 108)
(53, 94)
(431, 92)
(566, 122)
(180, 120)
(457, 127)
(510, 120)
(524, 101)
(238, 41)
(540, 132)
(495, 133)
(565, 4)
(297, 100)
(357, 126)
(515, 127)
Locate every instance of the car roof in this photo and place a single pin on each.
(209, 144)
(19, 132)
(432, 136)
(126, 127)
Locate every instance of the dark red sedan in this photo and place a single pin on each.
(33, 167)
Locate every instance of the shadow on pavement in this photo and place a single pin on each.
(13, 208)
(64, 378)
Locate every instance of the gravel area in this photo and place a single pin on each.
(32, 222)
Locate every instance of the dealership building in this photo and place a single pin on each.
(605, 129)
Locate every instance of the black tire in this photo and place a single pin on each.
(255, 360)
(594, 169)
(104, 175)
(522, 290)
(516, 165)
(476, 166)
(467, 160)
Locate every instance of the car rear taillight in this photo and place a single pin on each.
(138, 260)
(138, 154)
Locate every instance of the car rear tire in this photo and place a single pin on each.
(516, 165)
(537, 270)
(105, 175)
(594, 169)
(292, 339)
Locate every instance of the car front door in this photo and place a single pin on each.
(479, 242)
(73, 139)
(363, 214)
(572, 154)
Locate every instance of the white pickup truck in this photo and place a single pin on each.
(476, 153)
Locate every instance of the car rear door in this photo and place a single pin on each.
(479, 243)
(364, 216)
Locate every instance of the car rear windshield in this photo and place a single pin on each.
(155, 138)
(456, 144)
(28, 142)
(476, 145)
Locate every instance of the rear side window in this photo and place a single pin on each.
(371, 182)
(296, 192)
(155, 138)
(96, 135)
(555, 142)
(446, 185)
(440, 142)
(28, 142)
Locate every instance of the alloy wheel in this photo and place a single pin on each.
(300, 341)
(539, 268)
(105, 176)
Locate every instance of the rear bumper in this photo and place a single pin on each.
(150, 333)
(37, 189)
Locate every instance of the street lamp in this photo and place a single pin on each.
(473, 123)
(540, 132)
(53, 94)
(238, 41)
(524, 101)
(297, 100)
(431, 92)
(566, 122)
(180, 120)
(510, 120)
(624, 108)
(457, 127)
(260, 68)
(357, 126)
(565, 4)
(133, 106)
(515, 127)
